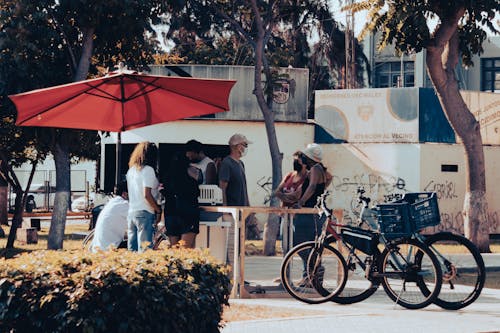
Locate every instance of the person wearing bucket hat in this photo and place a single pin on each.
(307, 226)
(314, 152)
(317, 179)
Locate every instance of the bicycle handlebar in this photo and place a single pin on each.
(321, 204)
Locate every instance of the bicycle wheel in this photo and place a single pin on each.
(87, 241)
(463, 269)
(358, 287)
(326, 271)
(405, 267)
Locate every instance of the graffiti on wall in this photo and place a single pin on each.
(371, 182)
(454, 222)
(444, 190)
(379, 188)
(266, 185)
(383, 189)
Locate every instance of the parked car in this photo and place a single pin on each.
(80, 204)
(37, 197)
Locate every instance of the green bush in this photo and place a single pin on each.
(116, 291)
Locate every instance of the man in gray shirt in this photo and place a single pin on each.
(232, 178)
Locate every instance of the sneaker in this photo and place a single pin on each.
(277, 280)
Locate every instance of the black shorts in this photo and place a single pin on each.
(176, 225)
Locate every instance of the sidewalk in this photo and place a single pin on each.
(376, 314)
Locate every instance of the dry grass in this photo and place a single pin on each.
(68, 244)
(242, 312)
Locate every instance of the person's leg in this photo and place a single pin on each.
(173, 230)
(191, 227)
(131, 234)
(174, 240)
(189, 240)
(304, 231)
(145, 221)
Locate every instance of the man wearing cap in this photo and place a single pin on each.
(232, 179)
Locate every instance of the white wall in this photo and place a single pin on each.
(387, 171)
(81, 172)
(291, 137)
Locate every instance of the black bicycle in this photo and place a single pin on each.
(408, 270)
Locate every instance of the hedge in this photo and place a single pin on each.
(176, 290)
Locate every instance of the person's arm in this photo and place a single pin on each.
(328, 179)
(279, 190)
(314, 178)
(211, 174)
(224, 177)
(151, 200)
(292, 197)
(149, 181)
(223, 186)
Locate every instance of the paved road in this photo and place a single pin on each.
(377, 314)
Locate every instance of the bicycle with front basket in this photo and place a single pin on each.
(408, 270)
(460, 261)
(463, 268)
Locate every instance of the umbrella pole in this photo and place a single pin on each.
(118, 158)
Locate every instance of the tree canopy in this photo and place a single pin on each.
(412, 25)
(448, 31)
(49, 42)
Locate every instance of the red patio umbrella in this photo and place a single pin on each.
(122, 101)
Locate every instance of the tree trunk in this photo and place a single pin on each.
(442, 59)
(19, 204)
(62, 158)
(4, 197)
(17, 220)
(272, 225)
(61, 203)
(87, 49)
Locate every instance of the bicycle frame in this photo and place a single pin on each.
(367, 216)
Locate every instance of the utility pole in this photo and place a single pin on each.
(350, 50)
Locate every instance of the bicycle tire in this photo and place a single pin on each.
(302, 283)
(464, 272)
(87, 241)
(358, 287)
(420, 267)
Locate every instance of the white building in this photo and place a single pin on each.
(387, 68)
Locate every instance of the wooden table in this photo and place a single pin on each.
(239, 215)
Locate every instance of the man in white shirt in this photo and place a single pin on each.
(194, 152)
(111, 224)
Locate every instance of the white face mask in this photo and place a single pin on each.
(244, 151)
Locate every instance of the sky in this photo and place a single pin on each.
(360, 18)
(340, 16)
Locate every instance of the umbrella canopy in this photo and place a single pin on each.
(121, 102)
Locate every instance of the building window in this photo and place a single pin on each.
(490, 74)
(387, 74)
